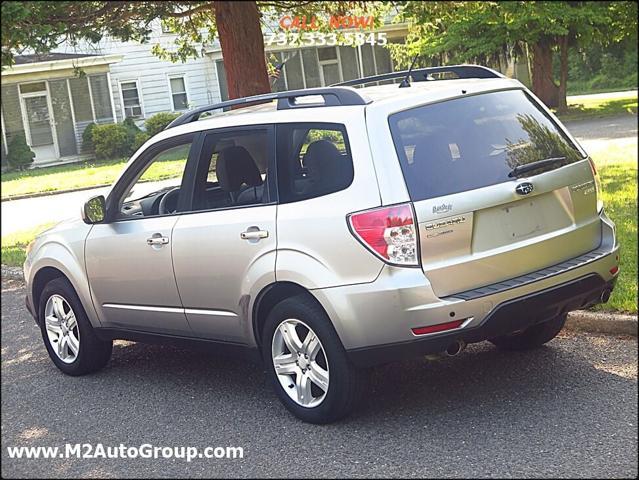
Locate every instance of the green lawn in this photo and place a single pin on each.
(600, 107)
(14, 245)
(617, 166)
(77, 175)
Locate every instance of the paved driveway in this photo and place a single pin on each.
(568, 410)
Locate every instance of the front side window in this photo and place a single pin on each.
(156, 189)
(178, 93)
(131, 99)
(476, 141)
(313, 160)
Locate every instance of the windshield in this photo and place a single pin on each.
(475, 141)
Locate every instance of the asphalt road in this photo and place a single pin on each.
(568, 410)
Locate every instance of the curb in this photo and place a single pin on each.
(602, 322)
(52, 192)
(609, 323)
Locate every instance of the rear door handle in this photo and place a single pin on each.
(157, 239)
(253, 234)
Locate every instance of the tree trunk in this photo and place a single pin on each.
(543, 84)
(238, 26)
(562, 105)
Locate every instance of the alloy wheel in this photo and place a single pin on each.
(62, 328)
(300, 363)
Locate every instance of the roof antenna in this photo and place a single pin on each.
(406, 82)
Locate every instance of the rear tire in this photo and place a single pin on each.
(67, 333)
(532, 337)
(303, 317)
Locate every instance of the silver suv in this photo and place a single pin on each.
(331, 229)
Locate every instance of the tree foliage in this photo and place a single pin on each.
(478, 31)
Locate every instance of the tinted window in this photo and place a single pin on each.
(473, 142)
(233, 169)
(313, 160)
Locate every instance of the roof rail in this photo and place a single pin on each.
(332, 96)
(422, 74)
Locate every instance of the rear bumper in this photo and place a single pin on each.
(510, 316)
(375, 321)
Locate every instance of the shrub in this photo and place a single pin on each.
(130, 123)
(139, 140)
(111, 141)
(132, 131)
(159, 121)
(87, 138)
(19, 156)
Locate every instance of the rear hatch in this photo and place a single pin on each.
(499, 190)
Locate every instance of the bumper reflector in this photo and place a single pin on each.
(440, 327)
(614, 270)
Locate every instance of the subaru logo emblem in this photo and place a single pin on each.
(524, 188)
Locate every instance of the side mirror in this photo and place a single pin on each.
(94, 210)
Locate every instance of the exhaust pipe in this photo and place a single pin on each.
(605, 296)
(455, 348)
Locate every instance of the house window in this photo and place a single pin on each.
(131, 99)
(33, 87)
(81, 97)
(101, 96)
(376, 60)
(178, 93)
(329, 64)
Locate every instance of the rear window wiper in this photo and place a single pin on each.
(535, 165)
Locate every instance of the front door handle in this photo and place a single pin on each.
(253, 233)
(157, 239)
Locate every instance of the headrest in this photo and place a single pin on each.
(322, 158)
(236, 167)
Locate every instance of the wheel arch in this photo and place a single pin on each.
(40, 280)
(270, 296)
(48, 267)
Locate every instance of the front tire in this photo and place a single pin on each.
(67, 333)
(307, 363)
(532, 337)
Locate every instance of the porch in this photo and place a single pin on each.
(52, 98)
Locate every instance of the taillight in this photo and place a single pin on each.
(597, 184)
(389, 232)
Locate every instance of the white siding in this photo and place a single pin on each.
(153, 74)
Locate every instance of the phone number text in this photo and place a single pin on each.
(321, 39)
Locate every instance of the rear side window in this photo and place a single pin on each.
(313, 159)
(475, 141)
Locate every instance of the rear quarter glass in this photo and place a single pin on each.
(472, 142)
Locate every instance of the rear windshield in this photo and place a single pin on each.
(475, 141)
